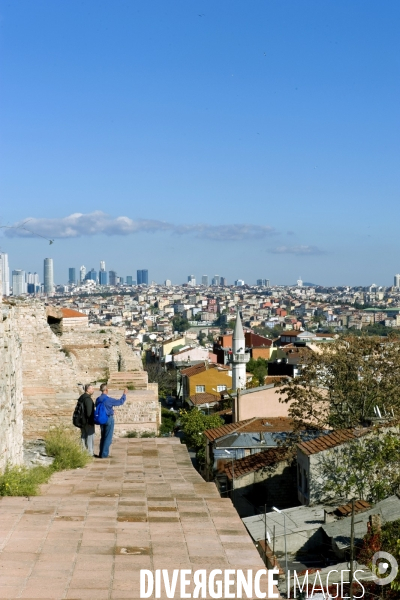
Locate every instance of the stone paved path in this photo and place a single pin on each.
(93, 529)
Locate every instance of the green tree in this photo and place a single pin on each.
(340, 384)
(166, 379)
(180, 323)
(259, 369)
(367, 468)
(194, 423)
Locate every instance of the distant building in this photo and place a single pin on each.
(397, 281)
(142, 277)
(19, 282)
(5, 273)
(103, 279)
(71, 275)
(191, 280)
(204, 280)
(223, 281)
(82, 274)
(112, 277)
(168, 283)
(129, 280)
(91, 275)
(299, 282)
(239, 282)
(120, 280)
(215, 280)
(48, 276)
(102, 265)
(263, 282)
(32, 283)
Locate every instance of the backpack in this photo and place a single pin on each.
(79, 418)
(100, 414)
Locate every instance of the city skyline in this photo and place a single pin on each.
(239, 155)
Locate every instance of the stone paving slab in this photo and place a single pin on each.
(92, 530)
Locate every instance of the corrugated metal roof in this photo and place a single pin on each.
(254, 425)
(299, 518)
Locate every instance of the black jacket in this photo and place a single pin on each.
(89, 407)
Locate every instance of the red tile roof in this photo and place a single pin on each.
(331, 440)
(69, 313)
(203, 398)
(254, 425)
(346, 509)
(254, 462)
(201, 367)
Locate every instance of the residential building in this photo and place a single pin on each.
(5, 273)
(205, 378)
(239, 282)
(112, 277)
(19, 282)
(167, 283)
(48, 276)
(33, 283)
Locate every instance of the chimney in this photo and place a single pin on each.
(375, 522)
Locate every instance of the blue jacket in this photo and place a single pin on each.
(110, 402)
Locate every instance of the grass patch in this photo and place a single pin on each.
(63, 445)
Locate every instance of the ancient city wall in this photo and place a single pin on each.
(11, 423)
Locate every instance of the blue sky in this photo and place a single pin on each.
(249, 139)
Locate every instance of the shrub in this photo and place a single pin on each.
(21, 481)
(147, 434)
(131, 434)
(63, 444)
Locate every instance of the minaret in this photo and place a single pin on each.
(239, 357)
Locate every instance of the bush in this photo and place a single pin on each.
(63, 444)
(21, 481)
(147, 434)
(131, 434)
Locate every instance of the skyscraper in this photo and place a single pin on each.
(191, 280)
(112, 277)
(223, 281)
(129, 280)
(71, 276)
(91, 275)
(204, 280)
(32, 283)
(142, 277)
(5, 273)
(397, 281)
(82, 273)
(103, 278)
(215, 280)
(102, 265)
(48, 276)
(167, 283)
(19, 282)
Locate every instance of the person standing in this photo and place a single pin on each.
(107, 429)
(87, 431)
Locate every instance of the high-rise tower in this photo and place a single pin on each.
(48, 276)
(5, 273)
(239, 356)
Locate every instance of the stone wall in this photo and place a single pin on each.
(141, 411)
(11, 424)
(95, 353)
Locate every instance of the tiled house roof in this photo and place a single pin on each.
(254, 462)
(336, 438)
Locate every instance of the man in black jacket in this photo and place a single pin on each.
(87, 432)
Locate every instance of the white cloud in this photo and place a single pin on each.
(78, 225)
(297, 250)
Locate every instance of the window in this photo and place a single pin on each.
(221, 388)
(200, 389)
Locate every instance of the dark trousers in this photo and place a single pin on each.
(107, 431)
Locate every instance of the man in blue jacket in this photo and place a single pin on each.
(107, 430)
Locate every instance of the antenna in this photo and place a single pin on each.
(379, 412)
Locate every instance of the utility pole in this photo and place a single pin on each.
(265, 532)
(352, 550)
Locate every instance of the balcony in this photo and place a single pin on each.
(239, 357)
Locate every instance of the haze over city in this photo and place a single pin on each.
(200, 137)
